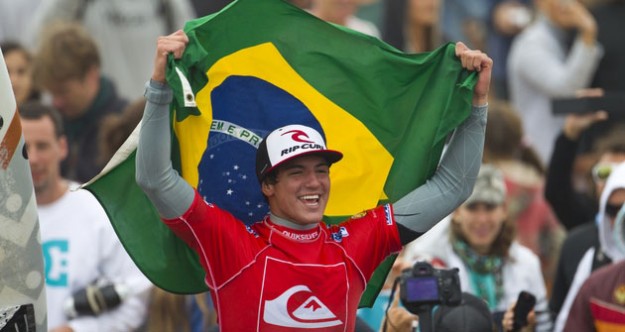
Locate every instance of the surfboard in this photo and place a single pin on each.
(22, 281)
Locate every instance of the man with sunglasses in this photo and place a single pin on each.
(570, 206)
(605, 250)
(601, 299)
(578, 212)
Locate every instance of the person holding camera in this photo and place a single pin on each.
(478, 239)
(398, 319)
(91, 282)
(433, 301)
(291, 271)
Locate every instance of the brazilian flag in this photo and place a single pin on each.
(258, 65)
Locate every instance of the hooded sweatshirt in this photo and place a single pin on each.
(608, 244)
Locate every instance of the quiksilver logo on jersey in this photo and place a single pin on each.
(300, 237)
(311, 314)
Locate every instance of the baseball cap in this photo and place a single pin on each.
(288, 142)
(472, 315)
(489, 187)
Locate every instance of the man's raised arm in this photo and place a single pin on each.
(455, 177)
(171, 195)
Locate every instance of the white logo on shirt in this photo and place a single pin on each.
(388, 214)
(312, 313)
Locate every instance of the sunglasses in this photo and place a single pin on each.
(601, 172)
(475, 206)
(612, 210)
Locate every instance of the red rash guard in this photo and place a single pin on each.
(266, 277)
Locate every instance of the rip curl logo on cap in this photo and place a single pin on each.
(297, 136)
(289, 142)
(303, 141)
(305, 146)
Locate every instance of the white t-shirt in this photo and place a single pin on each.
(80, 248)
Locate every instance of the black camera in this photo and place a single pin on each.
(93, 300)
(425, 285)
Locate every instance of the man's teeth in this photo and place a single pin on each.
(310, 197)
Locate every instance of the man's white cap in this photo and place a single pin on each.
(289, 142)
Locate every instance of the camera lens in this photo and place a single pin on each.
(94, 300)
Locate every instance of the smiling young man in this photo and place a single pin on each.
(290, 271)
(298, 190)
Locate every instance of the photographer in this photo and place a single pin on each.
(478, 239)
(470, 315)
(399, 319)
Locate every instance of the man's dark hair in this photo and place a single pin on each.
(613, 141)
(615, 147)
(34, 110)
(9, 46)
(271, 177)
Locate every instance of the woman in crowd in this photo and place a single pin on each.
(536, 225)
(412, 25)
(478, 239)
(19, 65)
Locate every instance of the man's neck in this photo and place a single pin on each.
(53, 194)
(290, 224)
